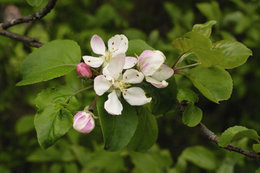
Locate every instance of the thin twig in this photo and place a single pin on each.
(27, 40)
(211, 136)
(93, 104)
(214, 138)
(35, 16)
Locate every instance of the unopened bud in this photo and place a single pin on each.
(83, 122)
(84, 70)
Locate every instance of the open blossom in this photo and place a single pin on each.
(83, 122)
(117, 47)
(114, 82)
(150, 63)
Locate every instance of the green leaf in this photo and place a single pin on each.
(117, 130)
(256, 148)
(200, 156)
(24, 124)
(258, 170)
(187, 95)
(163, 97)
(144, 163)
(137, 47)
(213, 82)
(210, 10)
(204, 29)
(234, 53)
(104, 161)
(147, 131)
(34, 2)
(192, 115)
(52, 60)
(52, 119)
(236, 132)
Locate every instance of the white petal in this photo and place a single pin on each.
(151, 63)
(101, 85)
(115, 67)
(97, 45)
(144, 54)
(163, 73)
(113, 105)
(118, 44)
(156, 83)
(93, 61)
(130, 62)
(133, 76)
(135, 96)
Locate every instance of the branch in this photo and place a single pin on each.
(214, 138)
(27, 40)
(229, 147)
(32, 17)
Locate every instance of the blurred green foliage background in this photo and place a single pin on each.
(158, 23)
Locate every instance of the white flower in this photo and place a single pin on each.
(117, 46)
(150, 63)
(114, 82)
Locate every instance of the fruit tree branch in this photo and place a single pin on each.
(214, 138)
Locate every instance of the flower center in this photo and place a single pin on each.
(121, 85)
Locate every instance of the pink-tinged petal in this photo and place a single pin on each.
(116, 65)
(83, 70)
(93, 61)
(163, 73)
(145, 54)
(130, 62)
(101, 85)
(98, 45)
(150, 64)
(113, 106)
(133, 76)
(156, 83)
(118, 44)
(83, 122)
(135, 96)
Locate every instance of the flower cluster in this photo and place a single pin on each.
(114, 80)
(120, 72)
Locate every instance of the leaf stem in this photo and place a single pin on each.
(180, 59)
(188, 66)
(83, 89)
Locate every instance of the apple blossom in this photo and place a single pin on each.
(114, 82)
(83, 122)
(117, 46)
(150, 63)
(83, 70)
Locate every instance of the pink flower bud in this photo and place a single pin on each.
(83, 122)
(83, 70)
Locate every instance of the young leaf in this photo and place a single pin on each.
(233, 53)
(204, 29)
(163, 98)
(146, 132)
(52, 119)
(117, 129)
(236, 132)
(34, 2)
(137, 47)
(187, 95)
(213, 82)
(192, 115)
(200, 156)
(54, 59)
(256, 148)
(24, 124)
